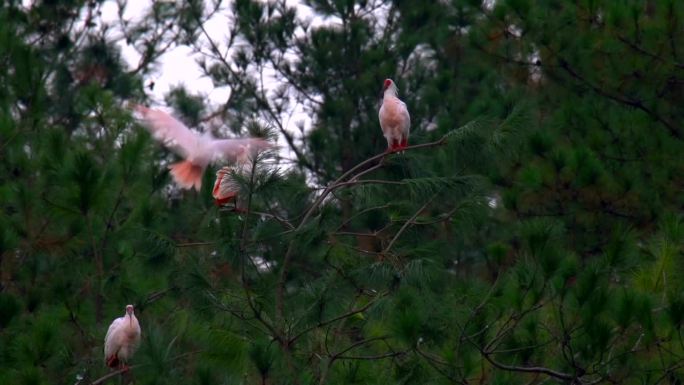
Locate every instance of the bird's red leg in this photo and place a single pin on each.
(113, 361)
(404, 142)
(389, 150)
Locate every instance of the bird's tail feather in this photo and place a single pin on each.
(187, 175)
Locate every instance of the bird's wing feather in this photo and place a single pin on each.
(111, 342)
(407, 119)
(135, 332)
(171, 132)
(232, 150)
(381, 112)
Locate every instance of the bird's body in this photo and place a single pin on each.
(227, 189)
(395, 120)
(122, 339)
(198, 150)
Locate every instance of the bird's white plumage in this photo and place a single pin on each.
(122, 338)
(394, 117)
(234, 150)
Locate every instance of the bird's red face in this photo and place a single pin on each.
(387, 84)
(129, 309)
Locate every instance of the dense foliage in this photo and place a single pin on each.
(533, 235)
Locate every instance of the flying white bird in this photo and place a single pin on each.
(122, 339)
(198, 150)
(394, 118)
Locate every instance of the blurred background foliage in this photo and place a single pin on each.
(536, 237)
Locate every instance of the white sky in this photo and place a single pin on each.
(178, 65)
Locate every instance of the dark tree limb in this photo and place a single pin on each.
(635, 103)
(529, 369)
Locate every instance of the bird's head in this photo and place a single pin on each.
(389, 88)
(129, 309)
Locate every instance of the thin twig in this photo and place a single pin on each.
(371, 358)
(529, 369)
(107, 376)
(407, 223)
(338, 183)
(343, 316)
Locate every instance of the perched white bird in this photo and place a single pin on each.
(226, 188)
(198, 150)
(394, 118)
(122, 339)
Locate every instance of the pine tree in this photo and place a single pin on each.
(532, 233)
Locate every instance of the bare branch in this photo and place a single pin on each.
(339, 182)
(376, 357)
(638, 104)
(407, 223)
(529, 369)
(338, 318)
(107, 376)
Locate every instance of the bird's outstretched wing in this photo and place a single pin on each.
(168, 130)
(236, 150)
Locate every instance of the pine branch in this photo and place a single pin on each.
(338, 318)
(107, 376)
(529, 369)
(284, 222)
(635, 103)
(195, 244)
(356, 345)
(99, 266)
(407, 223)
(364, 211)
(110, 220)
(375, 357)
(515, 319)
(280, 289)
(643, 51)
(340, 181)
(243, 242)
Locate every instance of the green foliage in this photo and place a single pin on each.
(534, 236)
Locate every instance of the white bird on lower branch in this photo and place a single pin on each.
(122, 339)
(198, 150)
